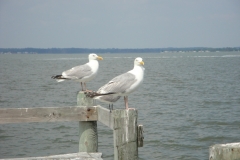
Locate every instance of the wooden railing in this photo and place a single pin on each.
(127, 134)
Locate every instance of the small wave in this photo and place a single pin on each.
(231, 56)
(117, 57)
(4, 137)
(224, 56)
(210, 138)
(61, 59)
(61, 127)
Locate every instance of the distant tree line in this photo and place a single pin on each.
(114, 50)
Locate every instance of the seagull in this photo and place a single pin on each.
(122, 85)
(82, 73)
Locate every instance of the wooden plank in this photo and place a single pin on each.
(230, 151)
(88, 137)
(105, 116)
(70, 156)
(140, 135)
(125, 134)
(47, 114)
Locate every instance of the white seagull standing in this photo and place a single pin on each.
(123, 84)
(82, 73)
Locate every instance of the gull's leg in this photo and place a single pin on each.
(82, 86)
(112, 106)
(86, 88)
(126, 102)
(109, 106)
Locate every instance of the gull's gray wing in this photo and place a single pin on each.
(119, 84)
(78, 72)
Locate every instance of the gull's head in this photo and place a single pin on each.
(138, 61)
(94, 56)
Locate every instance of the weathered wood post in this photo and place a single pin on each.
(125, 134)
(230, 151)
(88, 138)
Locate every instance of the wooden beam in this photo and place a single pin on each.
(47, 114)
(105, 116)
(88, 137)
(140, 135)
(230, 151)
(70, 156)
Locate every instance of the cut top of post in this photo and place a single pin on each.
(83, 100)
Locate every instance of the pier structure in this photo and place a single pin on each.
(127, 133)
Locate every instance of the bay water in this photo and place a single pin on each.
(186, 103)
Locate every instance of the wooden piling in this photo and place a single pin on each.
(88, 138)
(230, 151)
(125, 134)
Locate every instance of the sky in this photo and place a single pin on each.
(119, 23)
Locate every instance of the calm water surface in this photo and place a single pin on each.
(187, 102)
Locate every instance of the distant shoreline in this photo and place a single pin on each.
(112, 50)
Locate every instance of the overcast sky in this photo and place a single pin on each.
(119, 23)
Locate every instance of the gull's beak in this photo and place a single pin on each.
(99, 58)
(142, 63)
